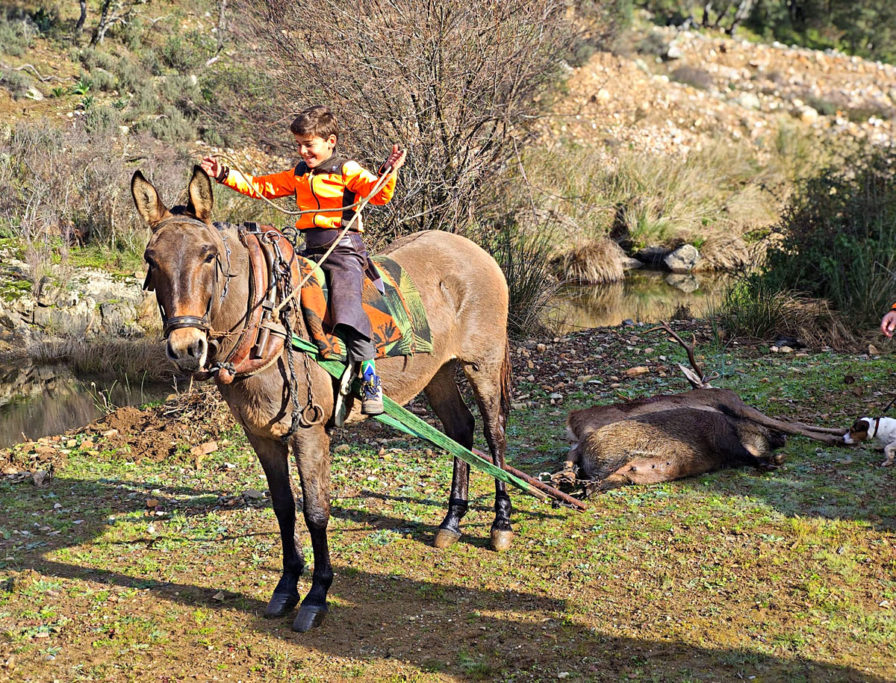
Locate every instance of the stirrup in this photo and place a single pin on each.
(345, 388)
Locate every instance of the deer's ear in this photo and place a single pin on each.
(695, 379)
(147, 201)
(201, 198)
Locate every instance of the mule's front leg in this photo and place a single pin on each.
(312, 449)
(274, 455)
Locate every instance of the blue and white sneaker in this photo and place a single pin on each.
(371, 393)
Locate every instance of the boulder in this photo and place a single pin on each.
(652, 256)
(683, 259)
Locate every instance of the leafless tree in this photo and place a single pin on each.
(456, 82)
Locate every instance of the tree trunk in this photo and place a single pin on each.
(80, 25)
(743, 11)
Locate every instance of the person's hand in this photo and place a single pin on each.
(888, 324)
(396, 159)
(211, 166)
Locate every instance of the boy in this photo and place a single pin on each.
(325, 181)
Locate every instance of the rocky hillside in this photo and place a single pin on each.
(679, 90)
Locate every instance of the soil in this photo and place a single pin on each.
(154, 558)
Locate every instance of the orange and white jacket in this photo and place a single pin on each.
(335, 183)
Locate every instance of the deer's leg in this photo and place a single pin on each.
(273, 455)
(458, 422)
(312, 451)
(490, 382)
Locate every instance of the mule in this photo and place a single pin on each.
(201, 278)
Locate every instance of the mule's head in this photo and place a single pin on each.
(183, 260)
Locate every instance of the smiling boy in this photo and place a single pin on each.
(325, 182)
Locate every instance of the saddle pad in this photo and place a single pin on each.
(398, 319)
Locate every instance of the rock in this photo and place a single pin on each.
(253, 494)
(683, 259)
(34, 94)
(873, 350)
(40, 478)
(652, 256)
(749, 100)
(629, 263)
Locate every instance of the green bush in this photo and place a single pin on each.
(524, 256)
(16, 82)
(839, 238)
(17, 32)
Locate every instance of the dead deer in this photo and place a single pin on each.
(672, 444)
(670, 436)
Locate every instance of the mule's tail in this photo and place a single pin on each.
(506, 372)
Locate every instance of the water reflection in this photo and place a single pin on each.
(40, 400)
(644, 296)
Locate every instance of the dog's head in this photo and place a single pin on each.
(860, 431)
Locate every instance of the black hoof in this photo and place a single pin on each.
(309, 617)
(280, 605)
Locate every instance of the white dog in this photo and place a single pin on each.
(881, 429)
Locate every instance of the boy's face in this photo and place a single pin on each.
(314, 149)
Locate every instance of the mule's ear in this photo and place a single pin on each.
(201, 198)
(146, 199)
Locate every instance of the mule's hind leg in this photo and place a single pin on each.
(274, 460)
(490, 379)
(311, 447)
(457, 421)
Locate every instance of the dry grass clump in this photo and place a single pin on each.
(138, 360)
(726, 253)
(752, 310)
(596, 262)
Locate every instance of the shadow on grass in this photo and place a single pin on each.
(453, 627)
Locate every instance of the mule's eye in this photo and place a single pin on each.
(149, 262)
(210, 257)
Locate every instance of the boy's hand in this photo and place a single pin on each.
(888, 324)
(396, 159)
(211, 166)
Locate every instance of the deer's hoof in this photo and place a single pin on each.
(445, 537)
(309, 617)
(501, 539)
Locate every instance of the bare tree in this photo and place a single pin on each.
(83, 17)
(454, 81)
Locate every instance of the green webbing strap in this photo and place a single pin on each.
(405, 421)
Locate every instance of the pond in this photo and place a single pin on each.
(644, 296)
(42, 400)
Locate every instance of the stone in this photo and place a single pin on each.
(683, 259)
(652, 256)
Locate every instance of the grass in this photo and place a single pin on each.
(643, 199)
(781, 575)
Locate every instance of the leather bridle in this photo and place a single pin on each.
(169, 324)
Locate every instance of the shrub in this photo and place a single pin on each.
(16, 82)
(525, 259)
(839, 237)
(753, 309)
(456, 82)
(17, 32)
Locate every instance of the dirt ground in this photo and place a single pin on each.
(147, 550)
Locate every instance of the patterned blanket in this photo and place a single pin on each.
(400, 327)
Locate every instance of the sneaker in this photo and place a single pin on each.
(371, 395)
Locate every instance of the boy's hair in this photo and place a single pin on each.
(317, 120)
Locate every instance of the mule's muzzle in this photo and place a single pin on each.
(188, 348)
